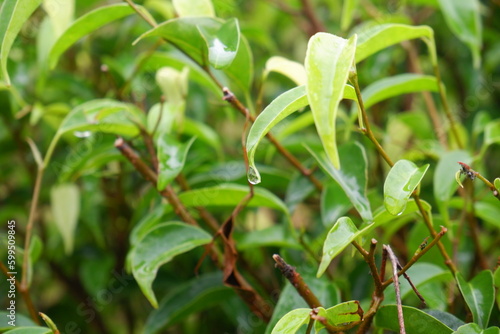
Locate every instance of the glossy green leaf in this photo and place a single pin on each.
(444, 181)
(171, 159)
(497, 183)
(402, 180)
(329, 59)
(13, 15)
(334, 203)
(379, 37)
(65, 203)
(464, 20)
(352, 177)
(187, 298)
(85, 25)
(416, 321)
(230, 195)
(186, 8)
(278, 109)
(473, 328)
(292, 321)
(341, 314)
(479, 294)
(293, 70)
(240, 73)
(446, 318)
(222, 43)
(274, 236)
(158, 247)
(30, 330)
(397, 85)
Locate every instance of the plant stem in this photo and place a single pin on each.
(370, 259)
(395, 280)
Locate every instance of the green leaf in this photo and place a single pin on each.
(65, 202)
(187, 298)
(416, 321)
(30, 330)
(204, 133)
(329, 59)
(293, 70)
(341, 234)
(158, 247)
(13, 15)
(230, 195)
(348, 8)
(334, 203)
(352, 177)
(292, 321)
(173, 84)
(479, 294)
(492, 133)
(278, 109)
(340, 314)
(464, 20)
(171, 159)
(85, 25)
(402, 180)
(274, 236)
(240, 72)
(497, 183)
(21, 321)
(222, 43)
(473, 328)
(379, 37)
(398, 85)
(444, 182)
(186, 8)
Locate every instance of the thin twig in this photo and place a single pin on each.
(308, 11)
(370, 259)
(395, 280)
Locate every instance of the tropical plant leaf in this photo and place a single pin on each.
(222, 43)
(292, 321)
(171, 159)
(416, 321)
(479, 294)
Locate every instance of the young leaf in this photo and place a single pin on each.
(171, 159)
(189, 297)
(402, 180)
(340, 314)
(173, 84)
(65, 201)
(292, 321)
(464, 20)
(352, 177)
(13, 15)
(186, 8)
(479, 294)
(416, 321)
(398, 85)
(329, 59)
(379, 37)
(222, 43)
(158, 247)
(85, 25)
(278, 109)
(291, 69)
(444, 182)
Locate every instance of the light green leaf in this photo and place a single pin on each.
(30, 330)
(341, 314)
(352, 177)
(222, 43)
(187, 298)
(402, 180)
(348, 8)
(171, 159)
(416, 321)
(492, 133)
(292, 321)
(230, 195)
(473, 328)
(497, 183)
(278, 109)
(173, 84)
(479, 294)
(444, 182)
(186, 8)
(85, 25)
(291, 69)
(329, 59)
(158, 247)
(65, 202)
(464, 20)
(61, 14)
(13, 15)
(379, 37)
(398, 85)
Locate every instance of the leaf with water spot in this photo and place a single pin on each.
(222, 43)
(402, 180)
(171, 159)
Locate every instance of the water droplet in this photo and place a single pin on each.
(253, 175)
(82, 134)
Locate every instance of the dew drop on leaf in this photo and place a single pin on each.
(253, 175)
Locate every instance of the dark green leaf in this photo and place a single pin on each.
(479, 294)
(159, 246)
(223, 43)
(416, 321)
(334, 203)
(274, 236)
(171, 159)
(329, 59)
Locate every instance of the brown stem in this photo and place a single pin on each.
(395, 280)
(308, 11)
(370, 259)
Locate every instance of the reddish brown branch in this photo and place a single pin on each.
(395, 280)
